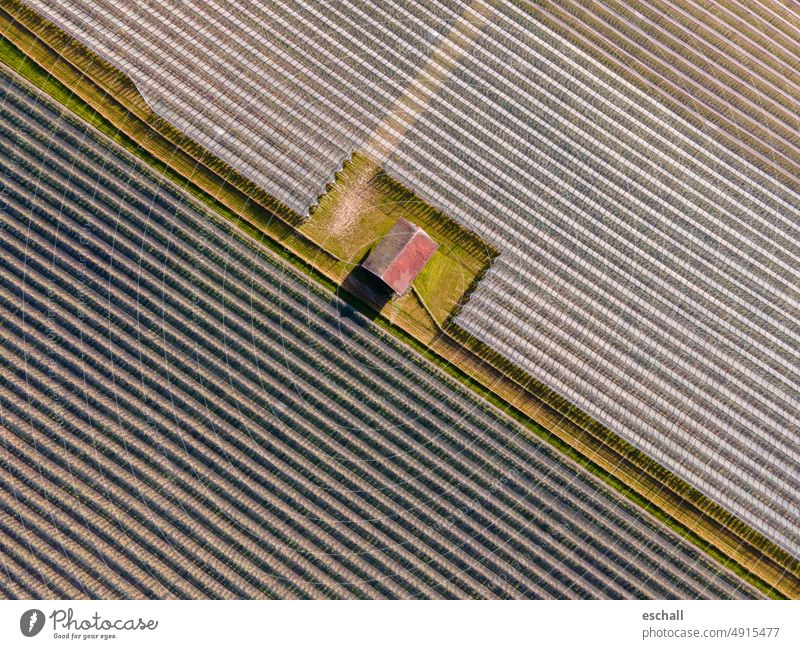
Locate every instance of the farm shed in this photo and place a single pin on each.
(400, 255)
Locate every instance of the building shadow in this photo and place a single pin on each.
(368, 289)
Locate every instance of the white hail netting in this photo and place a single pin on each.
(646, 273)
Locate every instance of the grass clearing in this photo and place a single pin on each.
(360, 207)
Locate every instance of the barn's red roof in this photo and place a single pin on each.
(401, 255)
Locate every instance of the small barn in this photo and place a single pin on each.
(400, 256)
